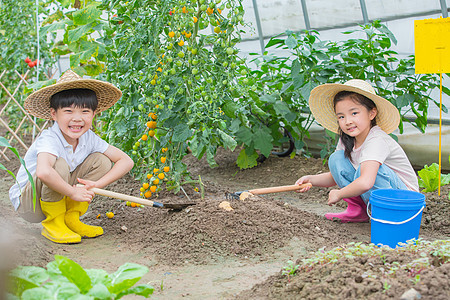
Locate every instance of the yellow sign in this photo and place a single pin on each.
(432, 45)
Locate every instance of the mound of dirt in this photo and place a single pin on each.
(384, 276)
(205, 233)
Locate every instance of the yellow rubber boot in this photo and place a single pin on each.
(55, 228)
(75, 210)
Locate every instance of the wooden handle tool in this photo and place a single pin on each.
(276, 189)
(145, 202)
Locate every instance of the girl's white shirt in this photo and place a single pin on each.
(380, 147)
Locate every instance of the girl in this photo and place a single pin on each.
(366, 157)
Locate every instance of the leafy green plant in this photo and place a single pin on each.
(430, 176)
(179, 80)
(64, 279)
(313, 62)
(82, 23)
(4, 143)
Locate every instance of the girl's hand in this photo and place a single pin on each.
(301, 180)
(334, 197)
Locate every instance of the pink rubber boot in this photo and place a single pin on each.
(355, 213)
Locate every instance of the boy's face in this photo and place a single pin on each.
(73, 122)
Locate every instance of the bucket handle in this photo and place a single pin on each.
(391, 222)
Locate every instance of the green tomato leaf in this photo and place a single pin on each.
(281, 108)
(75, 34)
(74, 273)
(269, 98)
(86, 15)
(404, 100)
(263, 141)
(227, 140)
(230, 108)
(181, 133)
(306, 90)
(126, 276)
(245, 161)
(291, 42)
(210, 153)
(52, 27)
(75, 60)
(274, 42)
(245, 135)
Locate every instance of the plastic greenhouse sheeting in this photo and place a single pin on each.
(279, 15)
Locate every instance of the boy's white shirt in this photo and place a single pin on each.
(380, 147)
(52, 141)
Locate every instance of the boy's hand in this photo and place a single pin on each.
(334, 197)
(88, 184)
(81, 194)
(302, 180)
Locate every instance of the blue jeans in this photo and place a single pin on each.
(344, 173)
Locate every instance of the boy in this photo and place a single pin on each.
(66, 154)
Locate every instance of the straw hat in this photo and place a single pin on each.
(38, 103)
(321, 104)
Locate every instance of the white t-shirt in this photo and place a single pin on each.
(52, 141)
(379, 146)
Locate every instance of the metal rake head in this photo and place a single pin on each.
(232, 196)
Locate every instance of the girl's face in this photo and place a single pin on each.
(354, 119)
(73, 122)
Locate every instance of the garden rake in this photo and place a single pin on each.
(174, 206)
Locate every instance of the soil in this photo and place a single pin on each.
(204, 251)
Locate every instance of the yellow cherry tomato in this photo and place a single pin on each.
(110, 214)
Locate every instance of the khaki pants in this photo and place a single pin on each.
(92, 168)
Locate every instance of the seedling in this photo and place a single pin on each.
(290, 269)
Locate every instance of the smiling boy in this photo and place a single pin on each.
(68, 153)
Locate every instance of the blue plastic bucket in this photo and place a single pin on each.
(395, 216)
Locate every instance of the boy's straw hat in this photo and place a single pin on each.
(38, 103)
(321, 104)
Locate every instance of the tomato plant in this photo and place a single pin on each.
(176, 75)
(82, 23)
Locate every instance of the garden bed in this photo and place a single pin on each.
(268, 229)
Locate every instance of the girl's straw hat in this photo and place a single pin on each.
(321, 104)
(38, 103)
